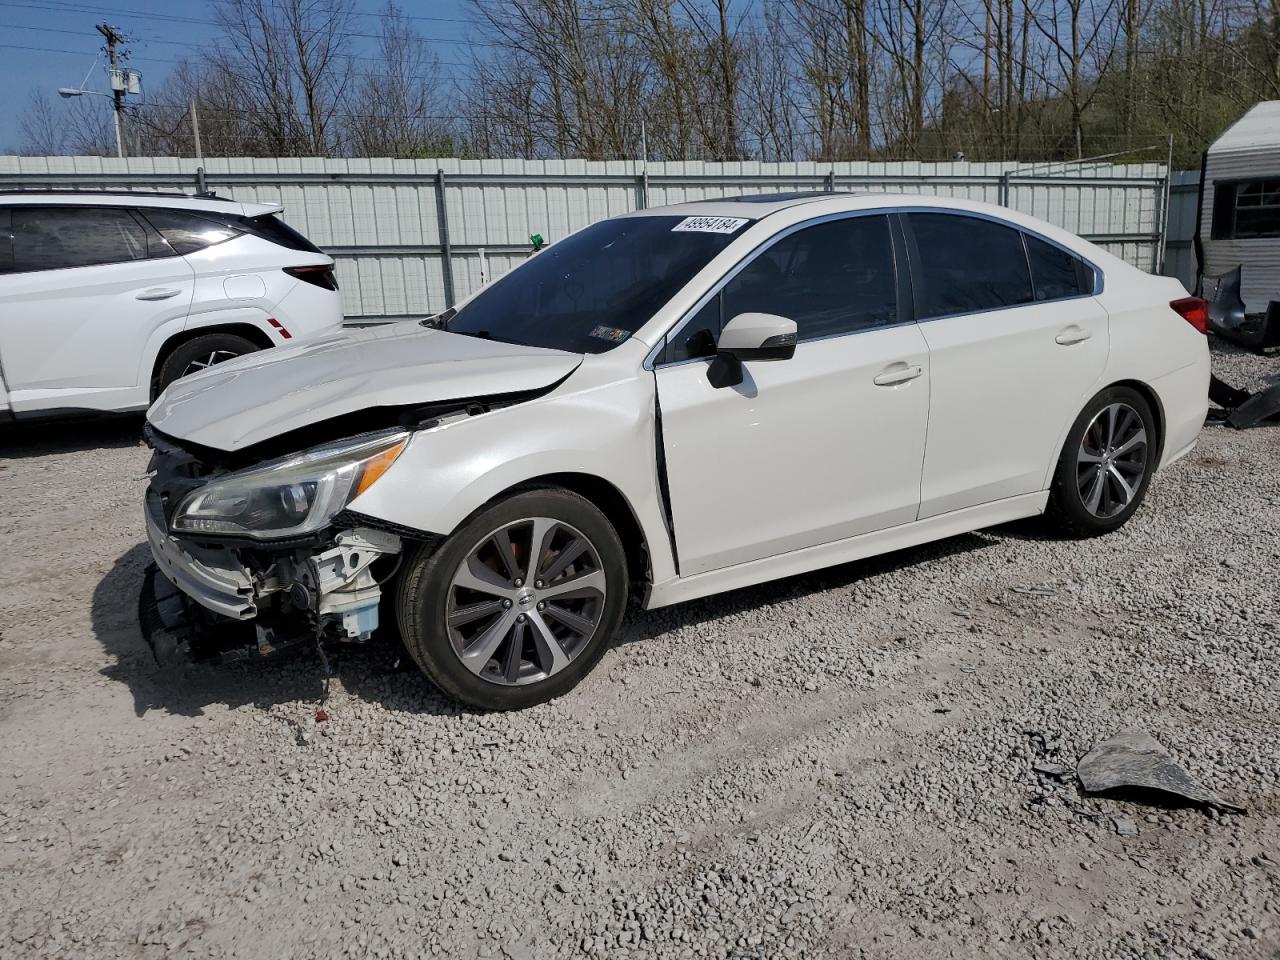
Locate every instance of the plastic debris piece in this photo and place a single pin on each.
(1133, 758)
(1125, 826)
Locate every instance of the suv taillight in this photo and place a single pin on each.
(321, 274)
(1193, 310)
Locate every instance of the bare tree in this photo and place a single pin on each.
(395, 109)
(287, 64)
(1081, 35)
(81, 126)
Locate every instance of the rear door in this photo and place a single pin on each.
(80, 296)
(1013, 356)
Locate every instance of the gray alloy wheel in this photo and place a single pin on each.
(525, 601)
(1112, 460)
(204, 363)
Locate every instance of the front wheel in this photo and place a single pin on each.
(1106, 464)
(519, 604)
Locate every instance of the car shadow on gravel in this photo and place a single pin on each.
(379, 672)
(42, 438)
(643, 624)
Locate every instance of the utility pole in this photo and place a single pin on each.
(113, 37)
(195, 129)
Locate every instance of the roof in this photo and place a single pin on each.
(136, 198)
(1259, 127)
(752, 206)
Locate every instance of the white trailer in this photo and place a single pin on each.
(1238, 226)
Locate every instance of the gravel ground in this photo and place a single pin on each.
(834, 765)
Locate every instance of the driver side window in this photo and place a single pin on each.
(831, 278)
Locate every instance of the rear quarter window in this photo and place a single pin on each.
(188, 231)
(270, 227)
(1056, 274)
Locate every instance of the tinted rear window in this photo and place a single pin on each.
(592, 290)
(1054, 272)
(968, 265)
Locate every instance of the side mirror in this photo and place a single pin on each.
(750, 336)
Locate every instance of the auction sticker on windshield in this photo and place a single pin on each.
(709, 224)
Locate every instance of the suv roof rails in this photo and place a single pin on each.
(209, 195)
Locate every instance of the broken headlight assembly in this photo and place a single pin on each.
(293, 496)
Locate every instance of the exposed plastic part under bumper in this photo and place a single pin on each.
(212, 578)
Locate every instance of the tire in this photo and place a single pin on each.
(509, 644)
(1106, 464)
(198, 352)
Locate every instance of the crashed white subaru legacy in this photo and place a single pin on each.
(665, 405)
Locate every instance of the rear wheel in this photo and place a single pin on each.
(201, 353)
(1106, 464)
(519, 604)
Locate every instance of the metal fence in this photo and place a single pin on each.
(412, 236)
(1184, 205)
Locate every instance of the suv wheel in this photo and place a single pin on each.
(1106, 464)
(519, 604)
(200, 353)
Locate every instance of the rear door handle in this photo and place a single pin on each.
(1072, 335)
(897, 373)
(158, 293)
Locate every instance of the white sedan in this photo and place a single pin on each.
(669, 404)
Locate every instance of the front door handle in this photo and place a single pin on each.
(158, 293)
(1072, 335)
(897, 373)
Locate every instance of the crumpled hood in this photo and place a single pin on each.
(265, 394)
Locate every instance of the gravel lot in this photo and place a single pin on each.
(836, 765)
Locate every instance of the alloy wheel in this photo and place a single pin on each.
(525, 601)
(204, 363)
(1112, 460)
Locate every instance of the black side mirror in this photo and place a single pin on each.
(750, 336)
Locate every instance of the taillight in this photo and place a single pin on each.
(1193, 310)
(320, 274)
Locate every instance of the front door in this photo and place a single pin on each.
(79, 299)
(805, 451)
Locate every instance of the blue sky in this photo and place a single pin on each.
(46, 44)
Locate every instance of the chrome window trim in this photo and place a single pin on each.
(1099, 278)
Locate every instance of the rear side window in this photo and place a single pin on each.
(53, 238)
(831, 278)
(967, 265)
(1055, 274)
(188, 231)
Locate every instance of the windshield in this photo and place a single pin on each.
(592, 290)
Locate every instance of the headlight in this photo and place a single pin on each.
(292, 496)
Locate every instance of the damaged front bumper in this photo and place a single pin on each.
(212, 577)
(326, 589)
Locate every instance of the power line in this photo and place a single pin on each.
(145, 59)
(118, 11)
(80, 33)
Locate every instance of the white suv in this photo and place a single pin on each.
(107, 298)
